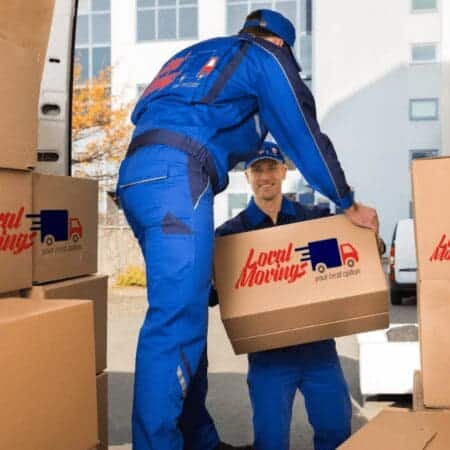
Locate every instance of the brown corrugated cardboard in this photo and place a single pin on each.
(431, 191)
(431, 188)
(19, 91)
(102, 402)
(401, 429)
(93, 288)
(47, 377)
(24, 32)
(66, 213)
(434, 319)
(27, 23)
(16, 239)
(299, 283)
(418, 392)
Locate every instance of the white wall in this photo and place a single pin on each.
(363, 81)
(445, 76)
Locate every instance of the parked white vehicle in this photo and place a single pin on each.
(402, 262)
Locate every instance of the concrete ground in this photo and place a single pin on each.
(228, 400)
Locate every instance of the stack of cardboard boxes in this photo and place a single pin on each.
(52, 351)
(427, 426)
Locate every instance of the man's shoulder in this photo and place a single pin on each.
(232, 226)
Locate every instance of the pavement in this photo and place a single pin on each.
(228, 400)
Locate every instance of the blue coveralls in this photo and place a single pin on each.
(208, 108)
(274, 376)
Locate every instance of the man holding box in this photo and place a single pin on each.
(209, 107)
(275, 375)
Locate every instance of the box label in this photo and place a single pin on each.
(12, 240)
(59, 231)
(442, 250)
(289, 264)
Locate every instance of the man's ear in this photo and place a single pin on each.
(285, 168)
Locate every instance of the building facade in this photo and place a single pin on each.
(379, 69)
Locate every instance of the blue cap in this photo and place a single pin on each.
(268, 150)
(276, 23)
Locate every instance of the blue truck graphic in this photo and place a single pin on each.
(327, 253)
(55, 225)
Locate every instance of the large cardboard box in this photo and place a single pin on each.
(65, 215)
(402, 429)
(24, 32)
(47, 377)
(102, 404)
(299, 283)
(93, 288)
(431, 189)
(16, 238)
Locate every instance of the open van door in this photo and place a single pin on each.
(55, 103)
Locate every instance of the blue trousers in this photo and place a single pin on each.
(168, 201)
(314, 369)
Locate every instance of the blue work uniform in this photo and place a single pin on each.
(209, 107)
(275, 375)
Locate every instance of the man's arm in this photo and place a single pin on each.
(287, 107)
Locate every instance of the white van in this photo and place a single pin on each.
(403, 262)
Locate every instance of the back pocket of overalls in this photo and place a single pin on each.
(134, 175)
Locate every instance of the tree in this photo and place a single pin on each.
(100, 126)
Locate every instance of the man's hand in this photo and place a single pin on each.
(363, 216)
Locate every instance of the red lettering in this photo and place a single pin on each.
(172, 65)
(253, 272)
(442, 250)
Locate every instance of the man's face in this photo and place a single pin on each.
(265, 178)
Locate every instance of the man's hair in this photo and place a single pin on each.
(257, 31)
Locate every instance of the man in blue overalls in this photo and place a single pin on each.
(314, 369)
(208, 108)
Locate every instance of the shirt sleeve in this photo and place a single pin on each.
(287, 107)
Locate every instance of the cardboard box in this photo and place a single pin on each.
(431, 191)
(24, 32)
(27, 23)
(418, 392)
(402, 429)
(93, 288)
(102, 403)
(299, 283)
(65, 211)
(16, 238)
(434, 319)
(19, 91)
(48, 386)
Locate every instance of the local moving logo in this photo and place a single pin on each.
(56, 226)
(280, 265)
(11, 239)
(442, 250)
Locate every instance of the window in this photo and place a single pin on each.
(299, 12)
(93, 37)
(166, 19)
(424, 5)
(425, 153)
(424, 109)
(236, 203)
(418, 154)
(424, 53)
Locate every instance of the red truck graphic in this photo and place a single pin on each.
(55, 225)
(327, 253)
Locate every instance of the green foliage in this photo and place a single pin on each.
(132, 276)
